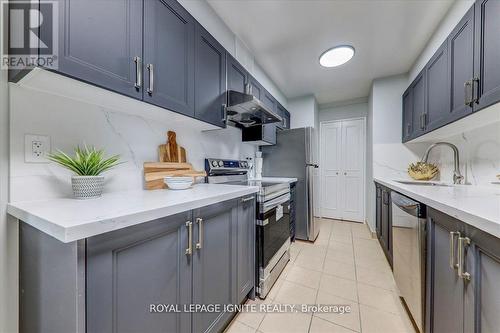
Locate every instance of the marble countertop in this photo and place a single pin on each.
(478, 206)
(69, 219)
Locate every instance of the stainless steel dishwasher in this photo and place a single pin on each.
(409, 247)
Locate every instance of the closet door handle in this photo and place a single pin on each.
(189, 226)
(151, 79)
(462, 243)
(138, 72)
(453, 265)
(199, 221)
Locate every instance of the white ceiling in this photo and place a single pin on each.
(287, 37)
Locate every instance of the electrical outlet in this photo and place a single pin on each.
(36, 148)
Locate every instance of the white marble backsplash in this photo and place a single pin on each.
(71, 122)
(479, 157)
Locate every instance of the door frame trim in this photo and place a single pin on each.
(321, 158)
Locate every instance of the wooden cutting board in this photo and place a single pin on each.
(154, 172)
(171, 151)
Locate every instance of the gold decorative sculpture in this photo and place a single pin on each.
(422, 171)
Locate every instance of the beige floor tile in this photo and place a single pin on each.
(285, 322)
(238, 327)
(304, 276)
(343, 256)
(377, 321)
(340, 269)
(314, 250)
(338, 286)
(348, 320)
(363, 254)
(380, 265)
(310, 261)
(382, 299)
(275, 289)
(340, 247)
(252, 319)
(375, 278)
(345, 238)
(319, 325)
(293, 293)
(361, 232)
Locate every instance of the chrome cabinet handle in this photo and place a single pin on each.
(151, 78)
(468, 93)
(475, 89)
(189, 249)
(224, 112)
(138, 72)
(462, 243)
(453, 265)
(247, 199)
(199, 221)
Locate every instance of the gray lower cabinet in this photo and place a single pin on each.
(210, 78)
(114, 282)
(169, 32)
(99, 41)
(214, 263)
(462, 273)
(384, 219)
(130, 269)
(245, 247)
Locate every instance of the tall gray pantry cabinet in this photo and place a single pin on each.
(107, 283)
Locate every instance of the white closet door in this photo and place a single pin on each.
(331, 182)
(353, 169)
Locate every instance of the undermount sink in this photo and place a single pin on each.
(422, 183)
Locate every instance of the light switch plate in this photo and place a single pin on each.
(36, 148)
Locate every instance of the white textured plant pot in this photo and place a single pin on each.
(87, 187)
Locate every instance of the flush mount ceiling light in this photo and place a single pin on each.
(336, 56)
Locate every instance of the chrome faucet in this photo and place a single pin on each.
(457, 175)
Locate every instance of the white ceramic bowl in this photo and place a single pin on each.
(178, 183)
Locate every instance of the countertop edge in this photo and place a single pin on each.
(490, 226)
(86, 230)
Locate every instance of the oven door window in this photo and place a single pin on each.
(273, 233)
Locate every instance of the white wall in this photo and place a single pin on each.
(332, 112)
(370, 189)
(8, 227)
(209, 19)
(303, 111)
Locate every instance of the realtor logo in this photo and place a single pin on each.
(29, 35)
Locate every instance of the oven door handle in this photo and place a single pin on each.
(267, 206)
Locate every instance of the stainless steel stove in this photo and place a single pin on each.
(272, 250)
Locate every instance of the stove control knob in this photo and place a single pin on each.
(244, 164)
(221, 164)
(214, 163)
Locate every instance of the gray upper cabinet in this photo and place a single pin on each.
(461, 64)
(444, 288)
(281, 111)
(246, 246)
(288, 119)
(487, 52)
(269, 101)
(169, 32)
(437, 89)
(237, 76)
(100, 42)
(210, 78)
(131, 268)
(255, 87)
(407, 115)
(214, 263)
(418, 105)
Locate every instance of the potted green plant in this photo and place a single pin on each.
(88, 164)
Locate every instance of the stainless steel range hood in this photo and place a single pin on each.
(246, 110)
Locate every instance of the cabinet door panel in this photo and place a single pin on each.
(214, 265)
(461, 63)
(487, 51)
(269, 101)
(169, 47)
(437, 89)
(210, 78)
(237, 76)
(255, 88)
(418, 105)
(130, 269)
(407, 115)
(93, 50)
(445, 288)
(246, 247)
